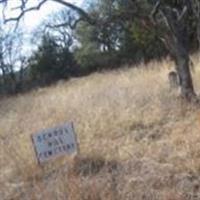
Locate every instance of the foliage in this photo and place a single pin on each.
(118, 34)
(50, 62)
(107, 34)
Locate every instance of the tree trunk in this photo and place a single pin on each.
(176, 39)
(186, 84)
(198, 32)
(183, 68)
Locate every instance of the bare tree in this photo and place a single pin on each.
(24, 7)
(62, 25)
(173, 18)
(10, 53)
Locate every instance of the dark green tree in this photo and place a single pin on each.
(50, 61)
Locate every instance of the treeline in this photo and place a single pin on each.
(68, 45)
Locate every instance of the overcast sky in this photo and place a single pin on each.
(33, 18)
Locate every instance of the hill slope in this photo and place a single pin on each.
(137, 139)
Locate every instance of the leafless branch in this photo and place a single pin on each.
(182, 14)
(155, 11)
(23, 8)
(23, 11)
(64, 24)
(79, 10)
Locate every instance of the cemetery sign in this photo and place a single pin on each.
(54, 142)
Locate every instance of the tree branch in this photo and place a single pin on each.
(79, 10)
(23, 11)
(184, 11)
(70, 25)
(155, 11)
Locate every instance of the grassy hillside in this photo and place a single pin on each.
(138, 140)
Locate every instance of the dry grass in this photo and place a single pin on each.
(138, 140)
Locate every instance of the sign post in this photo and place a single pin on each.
(55, 142)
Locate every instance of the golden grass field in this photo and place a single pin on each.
(138, 140)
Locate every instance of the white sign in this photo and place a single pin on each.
(54, 142)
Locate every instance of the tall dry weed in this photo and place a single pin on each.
(137, 139)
